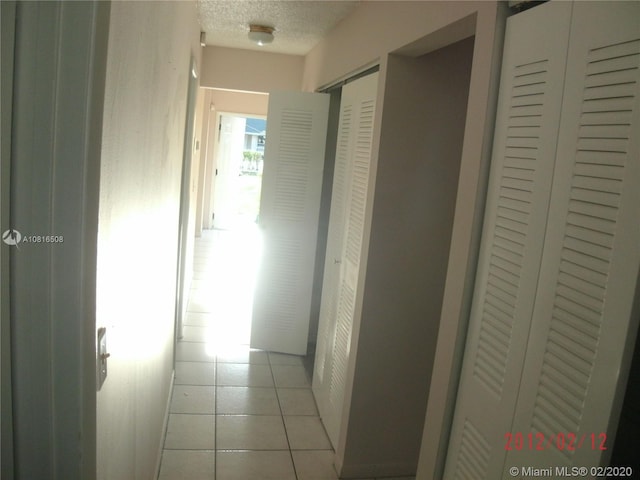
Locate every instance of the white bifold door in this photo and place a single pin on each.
(551, 326)
(289, 211)
(344, 244)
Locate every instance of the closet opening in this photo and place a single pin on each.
(412, 201)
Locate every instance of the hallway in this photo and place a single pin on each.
(237, 413)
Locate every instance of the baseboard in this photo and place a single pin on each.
(164, 427)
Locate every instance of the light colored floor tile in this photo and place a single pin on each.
(314, 465)
(199, 306)
(250, 432)
(201, 264)
(193, 399)
(187, 465)
(201, 276)
(204, 296)
(190, 432)
(397, 478)
(297, 401)
(199, 284)
(306, 433)
(276, 465)
(198, 319)
(244, 375)
(284, 359)
(242, 354)
(192, 333)
(290, 376)
(195, 373)
(194, 352)
(247, 400)
(231, 333)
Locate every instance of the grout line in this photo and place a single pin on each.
(215, 424)
(284, 425)
(215, 420)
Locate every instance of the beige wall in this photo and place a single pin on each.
(377, 28)
(143, 138)
(240, 102)
(249, 70)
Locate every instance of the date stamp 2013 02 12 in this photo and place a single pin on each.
(570, 441)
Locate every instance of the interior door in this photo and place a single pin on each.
(184, 267)
(289, 212)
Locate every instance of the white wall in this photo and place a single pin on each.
(150, 46)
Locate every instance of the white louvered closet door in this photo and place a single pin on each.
(513, 233)
(582, 315)
(557, 339)
(346, 233)
(331, 277)
(289, 209)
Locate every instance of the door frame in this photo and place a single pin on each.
(186, 202)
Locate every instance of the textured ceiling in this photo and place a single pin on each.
(299, 25)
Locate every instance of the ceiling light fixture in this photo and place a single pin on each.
(261, 34)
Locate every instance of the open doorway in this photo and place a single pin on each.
(238, 176)
(226, 257)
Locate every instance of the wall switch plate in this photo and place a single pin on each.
(102, 356)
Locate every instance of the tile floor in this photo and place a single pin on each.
(236, 413)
